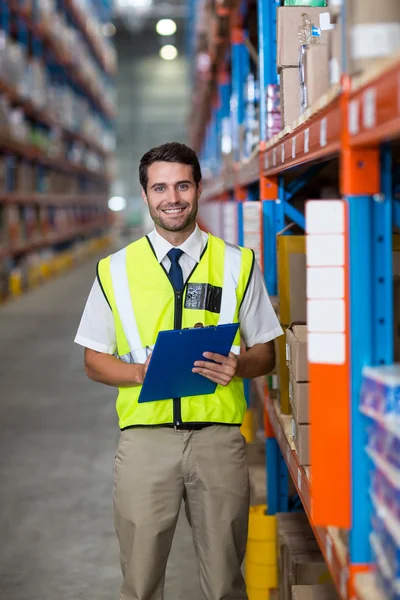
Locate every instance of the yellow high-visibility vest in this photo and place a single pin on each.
(143, 302)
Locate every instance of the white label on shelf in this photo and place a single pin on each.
(274, 157)
(288, 454)
(328, 549)
(325, 216)
(369, 113)
(290, 390)
(287, 353)
(326, 316)
(294, 147)
(354, 121)
(325, 282)
(306, 141)
(299, 479)
(283, 153)
(326, 348)
(325, 250)
(343, 582)
(323, 132)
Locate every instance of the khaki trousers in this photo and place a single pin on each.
(157, 468)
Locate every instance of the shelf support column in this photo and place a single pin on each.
(367, 186)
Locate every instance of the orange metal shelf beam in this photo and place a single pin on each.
(339, 572)
(315, 139)
(374, 109)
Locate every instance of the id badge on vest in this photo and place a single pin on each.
(203, 296)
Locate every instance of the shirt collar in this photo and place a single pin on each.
(193, 246)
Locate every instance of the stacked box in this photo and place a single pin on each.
(373, 32)
(296, 357)
(292, 43)
(314, 592)
(300, 561)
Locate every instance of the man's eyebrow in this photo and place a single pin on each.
(177, 183)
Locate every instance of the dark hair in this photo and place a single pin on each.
(173, 152)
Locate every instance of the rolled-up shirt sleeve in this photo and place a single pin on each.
(96, 329)
(258, 321)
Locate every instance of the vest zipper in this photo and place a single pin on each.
(177, 409)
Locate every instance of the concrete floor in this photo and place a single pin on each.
(58, 434)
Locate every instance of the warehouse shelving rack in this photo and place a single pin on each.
(355, 127)
(26, 23)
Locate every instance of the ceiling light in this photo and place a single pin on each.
(166, 27)
(168, 52)
(117, 203)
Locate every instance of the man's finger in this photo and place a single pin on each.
(219, 358)
(217, 368)
(212, 376)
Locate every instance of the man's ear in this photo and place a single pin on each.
(144, 196)
(199, 189)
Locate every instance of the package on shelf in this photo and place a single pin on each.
(251, 116)
(300, 561)
(385, 543)
(335, 8)
(15, 63)
(299, 400)
(296, 351)
(380, 395)
(273, 116)
(323, 591)
(316, 67)
(24, 177)
(301, 439)
(34, 84)
(304, 3)
(13, 224)
(290, 95)
(289, 20)
(374, 32)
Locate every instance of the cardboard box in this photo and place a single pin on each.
(298, 287)
(289, 19)
(301, 438)
(374, 32)
(296, 351)
(299, 557)
(290, 95)
(299, 400)
(314, 592)
(316, 72)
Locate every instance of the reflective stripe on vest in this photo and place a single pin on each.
(119, 276)
(124, 306)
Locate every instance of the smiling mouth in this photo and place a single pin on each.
(173, 211)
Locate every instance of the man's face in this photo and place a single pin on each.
(172, 196)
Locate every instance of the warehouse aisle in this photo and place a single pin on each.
(58, 434)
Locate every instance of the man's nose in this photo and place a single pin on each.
(173, 196)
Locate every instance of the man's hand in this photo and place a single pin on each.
(221, 371)
(144, 369)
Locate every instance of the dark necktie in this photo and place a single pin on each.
(175, 272)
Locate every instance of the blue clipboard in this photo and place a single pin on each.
(170, 375)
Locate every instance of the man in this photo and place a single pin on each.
(187, 449)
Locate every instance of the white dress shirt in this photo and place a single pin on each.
(258, 321)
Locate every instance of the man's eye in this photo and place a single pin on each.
(159, 189)
(183, 186)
